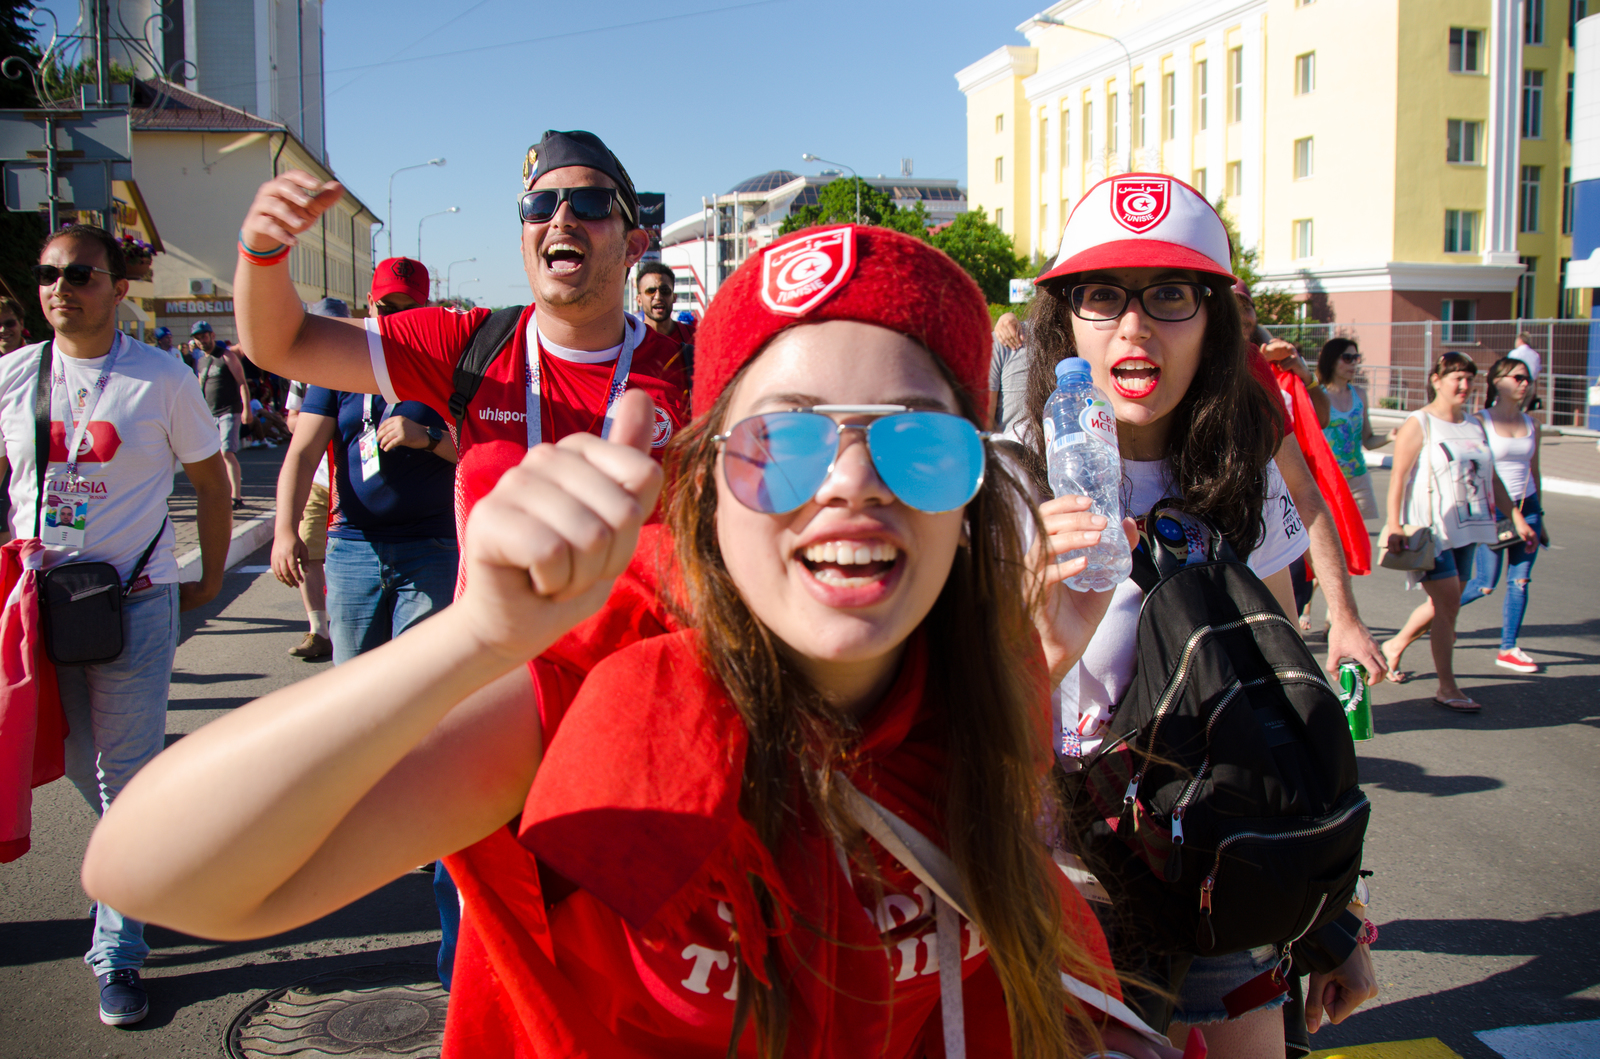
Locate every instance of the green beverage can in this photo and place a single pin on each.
(1357, 703)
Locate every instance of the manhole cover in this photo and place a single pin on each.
(362, 1013)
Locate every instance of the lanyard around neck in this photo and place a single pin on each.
(91, 401)
(631, 338)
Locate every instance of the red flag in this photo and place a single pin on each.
(33, 729)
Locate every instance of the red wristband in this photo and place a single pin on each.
(1369, 933)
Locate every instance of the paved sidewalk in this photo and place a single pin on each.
(252, 524)
(1568, 463)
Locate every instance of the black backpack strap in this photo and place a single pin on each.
(487, 342)
(41, 431)
(138, 567)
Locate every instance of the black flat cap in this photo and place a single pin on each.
(557, 150)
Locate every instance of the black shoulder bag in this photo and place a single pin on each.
(80, 604)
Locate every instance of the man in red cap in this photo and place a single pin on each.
(568, 359)
(398, 284)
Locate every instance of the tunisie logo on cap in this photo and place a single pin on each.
(799, 275)
(1140, 203)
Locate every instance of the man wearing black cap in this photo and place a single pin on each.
(569, 357)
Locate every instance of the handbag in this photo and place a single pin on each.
(80, 604)
(1505, 535)
(1418, 551)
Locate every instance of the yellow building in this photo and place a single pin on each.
(1388, 159)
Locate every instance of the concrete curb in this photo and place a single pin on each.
(247, 537)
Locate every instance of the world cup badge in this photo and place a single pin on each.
(1140, 203)
(799, 275)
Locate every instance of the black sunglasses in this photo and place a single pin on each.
(77, 275)
(588, 204)
(1350, 358)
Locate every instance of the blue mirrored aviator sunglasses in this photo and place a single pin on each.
(931, 461)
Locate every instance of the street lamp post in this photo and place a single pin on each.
(824, 161)
(389, 224)
(1046, 20)
(441, 213)
(452, 265)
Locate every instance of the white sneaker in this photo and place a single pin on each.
(1517, 659)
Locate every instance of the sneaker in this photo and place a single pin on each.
(313, 648)
(238, 503)
(123, 999)
(1517, 659)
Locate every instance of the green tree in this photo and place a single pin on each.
(836, 204)
(20, 232)
(1273, 304)
(985, 252)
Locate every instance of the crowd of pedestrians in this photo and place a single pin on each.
(820, 635)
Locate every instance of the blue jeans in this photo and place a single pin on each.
(1519, 560)
(117, 720)
(379, 589)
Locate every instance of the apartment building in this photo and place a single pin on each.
(1388, 159)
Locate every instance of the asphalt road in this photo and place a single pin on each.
(1485, 836)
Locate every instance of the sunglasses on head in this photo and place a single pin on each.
(588, 204)
(77, 275)
(775, 462)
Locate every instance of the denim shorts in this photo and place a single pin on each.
(1211, 979)
(1452, 562)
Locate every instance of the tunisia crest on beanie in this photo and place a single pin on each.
(849, 272)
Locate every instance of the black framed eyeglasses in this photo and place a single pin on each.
(1171, 302)
(77, 275)
(588, 204)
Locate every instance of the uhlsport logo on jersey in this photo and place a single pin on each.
(1140, 203)
(661, 432)
(799, 275)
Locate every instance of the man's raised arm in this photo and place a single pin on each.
(273, 325)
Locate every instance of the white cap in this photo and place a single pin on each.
(1142, 220)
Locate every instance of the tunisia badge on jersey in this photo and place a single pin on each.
(799, 275)
(1140, 203)
(661, 430)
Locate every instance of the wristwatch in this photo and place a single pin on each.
(435, 435)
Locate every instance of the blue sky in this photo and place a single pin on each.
(693, 95)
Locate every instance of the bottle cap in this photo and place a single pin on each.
(1071, 366)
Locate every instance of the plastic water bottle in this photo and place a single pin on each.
(1080, 441)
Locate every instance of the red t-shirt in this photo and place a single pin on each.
(415, 360)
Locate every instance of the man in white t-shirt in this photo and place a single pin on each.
(1525, 352)
(129, 415)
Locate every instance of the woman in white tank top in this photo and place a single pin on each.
(1514, 438)
(1451, 493)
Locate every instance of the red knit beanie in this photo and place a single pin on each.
(851, 272)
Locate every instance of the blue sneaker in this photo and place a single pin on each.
(123, 999)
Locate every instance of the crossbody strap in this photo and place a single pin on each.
(485, 346)
(138, 567)
(41, 429)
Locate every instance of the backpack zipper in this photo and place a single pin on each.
(1286, 959)
(1210, 882)
(1178, 676)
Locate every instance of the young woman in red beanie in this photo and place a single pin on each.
(778, 795)
(1141, 289)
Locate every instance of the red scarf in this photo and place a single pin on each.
(636, 805)
(33, 729)
(1325, 469)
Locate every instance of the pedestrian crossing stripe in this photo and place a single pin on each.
(1561, 1040)
(1426, 1048)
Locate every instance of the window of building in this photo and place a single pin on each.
(1566, 201)
(1066, 136)
(1197, 180)
(1576, 10)
(1138, 117)
(1533, 21)
(1000, 170)
(1305, 73)
(1302, 158)
(999, 123)
(1303, 244)
(1113, 124)
(1460, 231)
(1528, 199)
(1169, 106)
(1044, 223)
(1463, 142)
(1569, 298)
(1527, 289)
(1532, 104)
(1088, 132)
(1569, 108)
(1235, 176)
(1458, 314)
(1466, 50)
(1202, 96)
(999, 217)
(1236, 84)
(1044, 142)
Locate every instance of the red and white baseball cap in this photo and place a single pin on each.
(1142, 220)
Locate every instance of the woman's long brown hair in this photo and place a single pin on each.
(1224, 430)
(983, 678)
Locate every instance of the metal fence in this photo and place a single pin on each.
(1397, 357)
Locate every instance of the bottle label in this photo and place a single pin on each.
(1098, 419)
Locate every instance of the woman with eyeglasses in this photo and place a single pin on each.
(1141, 289)
(659, 827)
(1349, 430)
(1443, 478)
(1514, 438)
